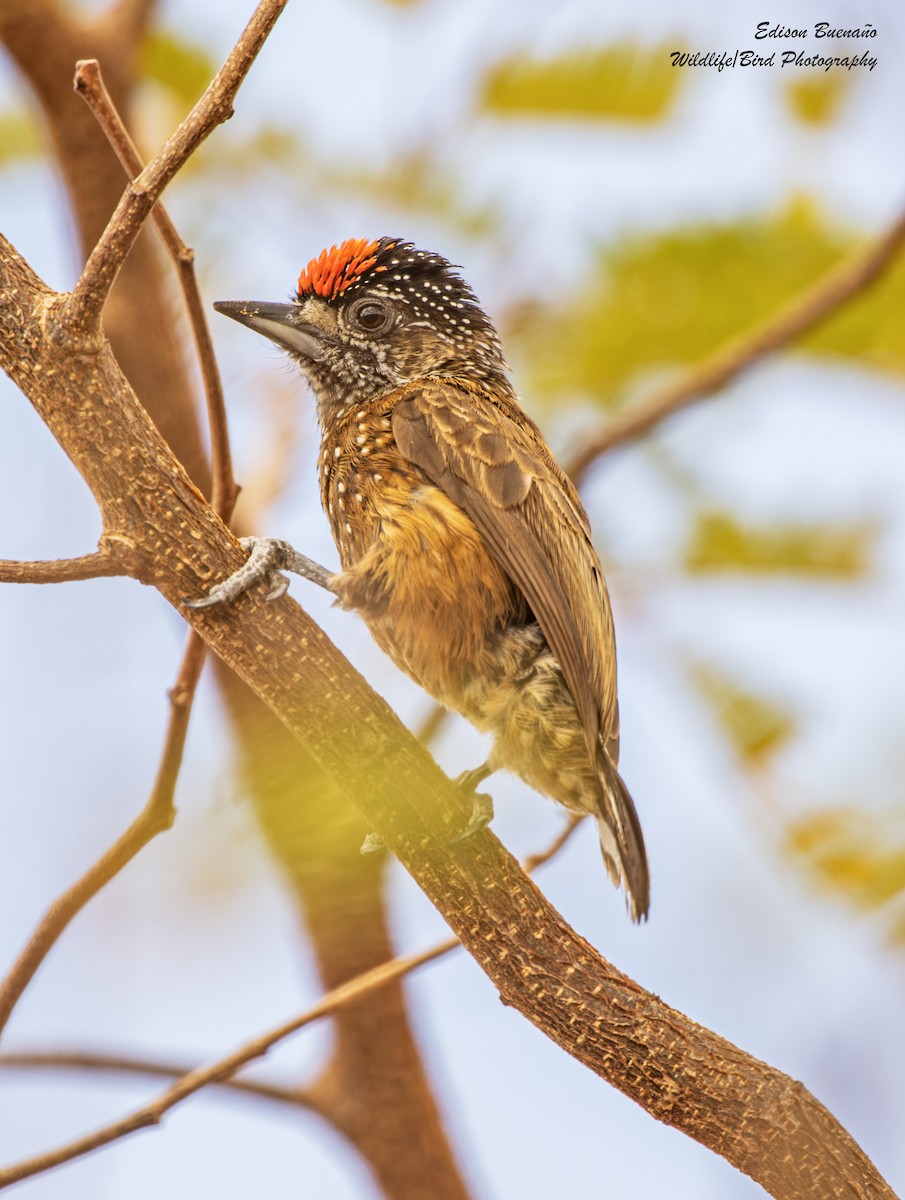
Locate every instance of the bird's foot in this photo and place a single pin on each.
(267, 560)
(372, 844)
(469, 781)
(481, 816)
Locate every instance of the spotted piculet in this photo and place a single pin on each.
(464, 547)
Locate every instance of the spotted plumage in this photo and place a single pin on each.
(463, 545)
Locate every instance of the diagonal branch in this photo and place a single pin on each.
(159, 811)
(89, 84)
(83, 309)
(221, 1072)
(186, 1086)
(103, 1063)
(797, 317)
(156, 816)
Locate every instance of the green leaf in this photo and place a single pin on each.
(181, 68)
(649, 305)
(859, 854)
(623, 81)
(20, 138)
(718, 541)
(417, 182)
(755, 726)
(815, 98)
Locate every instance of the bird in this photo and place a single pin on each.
(463, 545)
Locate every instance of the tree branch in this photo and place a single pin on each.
(100, 1062)
(83, 308)
(159, 811)
(89, 84)
(156, 816)
(757, 1118)
(191, 1082)
(801, 314)
(353, 990)
(99, 565)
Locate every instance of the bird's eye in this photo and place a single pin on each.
(371, 316)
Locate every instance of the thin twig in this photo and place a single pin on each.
(798, 316)
(533, 861)
(100, 564)
(152, 1113)
(90, 85)
(192, 1081)
(159, 811)
(83, 310)
(99, 1062)
(431, 724)
(156, 816)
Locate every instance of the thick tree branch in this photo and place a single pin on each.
(215, 106)
(766, 1124)
(801, 314)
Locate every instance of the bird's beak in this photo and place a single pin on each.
(280, 322)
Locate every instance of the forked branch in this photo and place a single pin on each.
(83, 309)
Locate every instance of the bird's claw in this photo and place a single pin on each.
(372, 844)
(266, 559)
(481, 816)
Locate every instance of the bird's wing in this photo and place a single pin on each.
(489, 459)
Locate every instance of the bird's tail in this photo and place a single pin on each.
(621, 840)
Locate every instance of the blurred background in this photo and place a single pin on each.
(620, 218)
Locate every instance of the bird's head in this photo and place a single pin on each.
(369, 316)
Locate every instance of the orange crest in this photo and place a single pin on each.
(338, 268)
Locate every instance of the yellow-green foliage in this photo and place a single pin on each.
(756, 727)
(815, 99)
(417, 182)
(718, 541)
(623, 81)
(859, 853)
(19, 137)
(182, 69)
(650, 304)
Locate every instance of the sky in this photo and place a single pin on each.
(195, 947)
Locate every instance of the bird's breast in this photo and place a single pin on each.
(414, 564)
